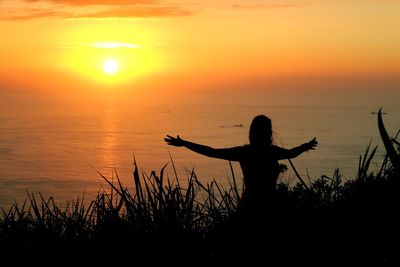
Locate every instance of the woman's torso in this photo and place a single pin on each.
(260, 173)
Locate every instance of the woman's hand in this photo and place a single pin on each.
(312, 144)
(172, 141)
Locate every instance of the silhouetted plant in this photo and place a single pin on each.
(389, 144)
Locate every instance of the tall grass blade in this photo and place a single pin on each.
(393, 156)
(298, 175)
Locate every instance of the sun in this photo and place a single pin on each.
(110, 66)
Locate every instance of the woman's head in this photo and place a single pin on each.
(260, 131)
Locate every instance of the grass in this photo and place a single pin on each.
(327, 221)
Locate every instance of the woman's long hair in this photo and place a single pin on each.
(260, 133)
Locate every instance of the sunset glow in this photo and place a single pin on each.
(169, 45)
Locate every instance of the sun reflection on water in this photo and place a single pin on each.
(108, 157)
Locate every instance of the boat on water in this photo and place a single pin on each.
(234, 125)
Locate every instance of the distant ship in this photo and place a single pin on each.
(375, 113)
(234, 125)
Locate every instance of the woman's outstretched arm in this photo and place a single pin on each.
(282, 153)
(232, 154)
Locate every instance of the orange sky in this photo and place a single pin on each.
(62, 44)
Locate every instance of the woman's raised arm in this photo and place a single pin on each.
(233, 154)
(282, 153)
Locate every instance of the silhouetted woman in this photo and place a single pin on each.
(259, 163)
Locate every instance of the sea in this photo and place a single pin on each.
(60, 147)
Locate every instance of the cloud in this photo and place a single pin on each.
(113, 9)
(96, 2)
(138, 12)
(103, 45)
(34, 14)
(113, 45)
(267, 6)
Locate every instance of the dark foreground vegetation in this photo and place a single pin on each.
(328, 221)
